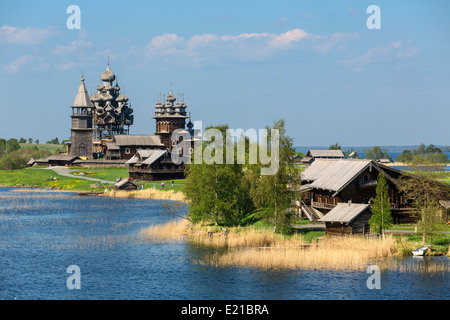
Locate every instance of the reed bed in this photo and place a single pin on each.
(264, 249)
(340, 253)
(170, 231)
(146, 194)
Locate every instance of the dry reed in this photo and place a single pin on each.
(146, 194)
(340, 253)
(264, 249)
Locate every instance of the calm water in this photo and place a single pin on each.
(42, 233)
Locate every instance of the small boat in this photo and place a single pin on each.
(420, 251)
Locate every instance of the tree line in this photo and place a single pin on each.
(13, 156)
(423, 155)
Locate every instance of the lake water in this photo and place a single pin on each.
(42, 233)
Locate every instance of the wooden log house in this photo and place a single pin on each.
(326, 183)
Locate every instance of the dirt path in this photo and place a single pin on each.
(65, 171)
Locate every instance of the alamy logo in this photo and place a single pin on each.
(74, 20)
(374, 281)
(74, 280)
(374, 21)
(217, 144)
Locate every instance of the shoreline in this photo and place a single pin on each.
(403, 164)
(154, 194)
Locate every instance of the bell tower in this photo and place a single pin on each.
(82, 138)
(169, 117)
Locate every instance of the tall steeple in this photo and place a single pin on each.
(81, 137)
(82, 97)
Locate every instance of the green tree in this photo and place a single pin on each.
(425, 190)
(381, 215)
(12, 145)
(335, 146)
(405, 157)
(376, 153)
(54, 141)
(30, 140)
(215, 190)
(36, 141)
(2, 146)
(273, 194)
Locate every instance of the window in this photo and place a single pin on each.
(127, 151)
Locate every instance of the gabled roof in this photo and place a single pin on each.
(138, 140)
(146, 156)
(112, 146)
(344, 212)
(123, 182)
(325, 154)
(333, 175)
(62, 158)
(155, 156)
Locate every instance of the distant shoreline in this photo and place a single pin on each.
(403, 164)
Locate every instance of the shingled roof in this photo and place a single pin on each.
(333, 174)
(325, 154)
(138, 140)
(344, 212)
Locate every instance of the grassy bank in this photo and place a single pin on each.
(43, 178)
(46, 178)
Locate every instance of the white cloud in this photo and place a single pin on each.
(384, 53)
(286, 39)
(27, 63)
(244, 46)
(10, 35)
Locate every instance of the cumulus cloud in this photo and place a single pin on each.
(244, 46)
(10, 35)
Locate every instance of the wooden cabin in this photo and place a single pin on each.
(347, 218)
(154, 165)
(56, 160)
(126, 184)
(125, 146)
(326, 183)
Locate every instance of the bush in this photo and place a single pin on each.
(19, 158)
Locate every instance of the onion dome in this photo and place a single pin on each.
(96, 98)
(190, 125)
(170, 98)
(122, 98)
(108, 75)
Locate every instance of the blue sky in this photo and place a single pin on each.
(243, 63)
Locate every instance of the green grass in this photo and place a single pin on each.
(110, 174)
(441, 242)
(40, 178)
(50, 147)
